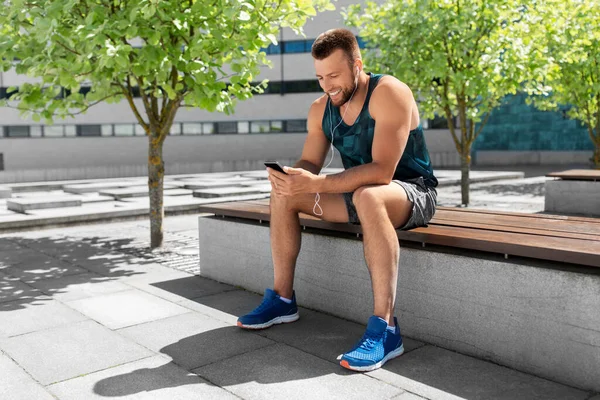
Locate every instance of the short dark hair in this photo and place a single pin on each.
(334, 39)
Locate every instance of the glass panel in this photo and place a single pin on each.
(70, 130)
(17, 131)
(276, 126)
(36, 131)
(192, 129)
(139, 130)
(259, 126)
(107, 130)
(243, 127)
(226, 127)
(296, 125)
(54, 131)
(294, 46)
(124, 130)
(175, 129)
(89, 130)
(208, 128)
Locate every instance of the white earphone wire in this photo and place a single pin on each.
(317, 206)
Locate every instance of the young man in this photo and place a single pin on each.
(387, 183)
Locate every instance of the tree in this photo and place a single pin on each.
(570, 39)
(186, 52)
(460, 57)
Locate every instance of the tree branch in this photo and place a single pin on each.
(127, 91)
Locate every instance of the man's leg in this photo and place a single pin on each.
(285, 232)
(285, 246)
(381, 209)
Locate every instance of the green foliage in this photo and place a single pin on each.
(180, 53)
(569, 39)
(460, 57)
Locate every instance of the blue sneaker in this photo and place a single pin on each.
(271, 311)
(375, 348)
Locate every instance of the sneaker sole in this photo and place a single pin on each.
(286, 319)
(365, 368)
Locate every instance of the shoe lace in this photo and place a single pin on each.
(262, 306)
(369, 340)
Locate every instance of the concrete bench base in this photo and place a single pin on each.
(573, 197)
(23, 205)
(544, 321)
(5, 192)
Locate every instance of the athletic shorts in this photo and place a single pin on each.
(422, 197)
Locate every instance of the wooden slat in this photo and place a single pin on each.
(519, 214)
(577, 174)
(553, 227)
(548, 244)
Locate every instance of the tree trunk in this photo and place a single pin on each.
(597, 155)
(465, 167)
(156, 174)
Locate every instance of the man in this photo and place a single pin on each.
(387, 183)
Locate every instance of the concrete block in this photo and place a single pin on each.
(214, 184)
(189, 287)
(281, 371)
(178, 192)
(512, 314)
(193, 340)
(92, 187)
(5, 192)
(127, 308)
(23, 205)
(226, 191)
(137, 191)
(16, 384)
(151, 378)
(66, 352)
(32, 318)
(435, 373)
(572, 197)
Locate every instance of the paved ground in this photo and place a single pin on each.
(87, 313)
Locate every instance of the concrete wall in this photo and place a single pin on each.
(41, 159)
(572, 197)
(539, 320)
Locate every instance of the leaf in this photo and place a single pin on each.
(244, 16)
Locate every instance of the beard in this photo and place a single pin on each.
(346, 94)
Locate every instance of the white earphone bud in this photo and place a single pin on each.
(356, 77)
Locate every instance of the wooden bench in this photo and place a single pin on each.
(518, 289)
(576, 191)
(545, 237)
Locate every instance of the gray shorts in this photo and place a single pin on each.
(423, 199)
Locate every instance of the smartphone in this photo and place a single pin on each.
(275, 165)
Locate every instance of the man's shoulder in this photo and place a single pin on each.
(389, 83)
(390, 92)
(317, 107)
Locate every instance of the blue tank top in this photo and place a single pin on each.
(354, 142)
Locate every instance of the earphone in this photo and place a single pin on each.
(318, 196)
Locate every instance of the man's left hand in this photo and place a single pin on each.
(296, 181)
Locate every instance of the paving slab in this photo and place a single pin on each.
(189, 287)
(226, 191)
(5, 192)
(335, 335)
(66, 352)
(153, 378)
(178, 192)
(198, 185)
(24, 205)
(34, 272)
(127, 308)
(92, 187)
(262, 187)
(136, 191)
(16, 384)
(193, 340)
(14, 294)
(281, 371)
(226, 307)
(408, 396)
(436, 373)
(82, 286)
(33, 318)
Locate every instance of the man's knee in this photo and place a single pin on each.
(279, 202)
(366, 200)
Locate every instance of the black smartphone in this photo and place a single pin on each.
(275, 165)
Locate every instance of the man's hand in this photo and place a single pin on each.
(296, 181)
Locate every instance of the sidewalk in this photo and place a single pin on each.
(88, 313)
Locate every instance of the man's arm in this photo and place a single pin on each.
(316, 144)
(391, 106)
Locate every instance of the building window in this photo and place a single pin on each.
(16, 131)
(192, 129)
(139, 130)
(124, 130)
(54, 131)
(272, 49)
(208, 128)
(36, 131)
(277, 126)
(260, 127)
(243, 127)
(439, 122)
(175, 129)
(70, 130)
(226, 127)
(89, 130)
(294, 46)
(308, 86)
(296, 125)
